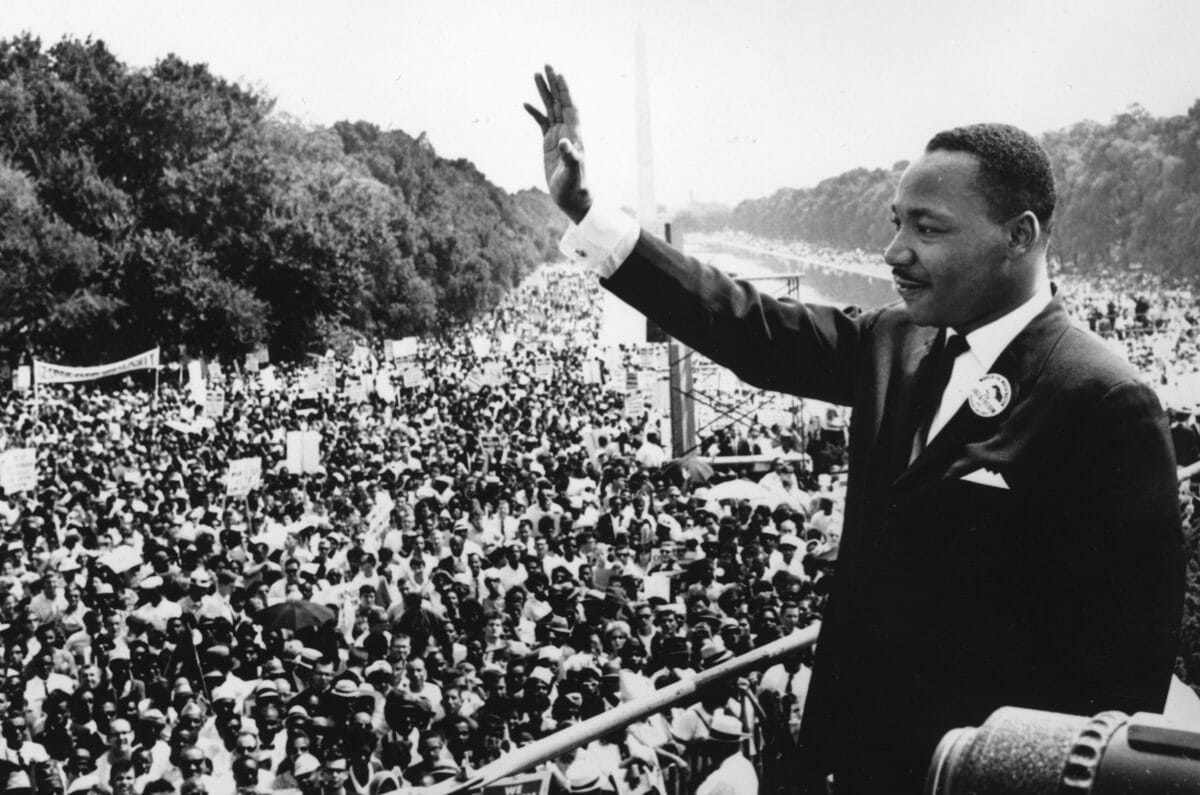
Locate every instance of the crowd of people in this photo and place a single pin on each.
(481, 556)
(493, 544)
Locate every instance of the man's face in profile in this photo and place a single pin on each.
(949, 257)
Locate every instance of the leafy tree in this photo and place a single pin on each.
(168, 205)
(49, 285)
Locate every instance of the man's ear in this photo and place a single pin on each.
(1024, 232)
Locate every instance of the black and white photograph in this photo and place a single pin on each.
(646, 397)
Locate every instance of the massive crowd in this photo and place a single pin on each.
(491, 544)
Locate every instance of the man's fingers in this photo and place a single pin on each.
(542, 121)
(562, 92)
(544, 91)
(569, 153)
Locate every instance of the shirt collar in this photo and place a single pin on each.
(989, 341)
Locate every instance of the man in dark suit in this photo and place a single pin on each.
(1012, 534)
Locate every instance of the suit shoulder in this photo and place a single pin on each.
(890, 327)
(1082, 360)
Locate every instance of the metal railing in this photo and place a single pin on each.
(678, 694)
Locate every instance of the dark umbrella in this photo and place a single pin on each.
(688, 470)
(295, 615)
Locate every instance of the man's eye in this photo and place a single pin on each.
(896, 223)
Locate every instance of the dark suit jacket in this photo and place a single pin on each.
(1063, 592)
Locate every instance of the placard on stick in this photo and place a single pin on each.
(245, 475)
(18, 469)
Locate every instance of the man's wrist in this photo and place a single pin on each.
(580, 210)
(602, 239)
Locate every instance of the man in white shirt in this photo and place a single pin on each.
(419, 685)
(651, 454)
(735, 775)
(156, 610)
(50, 603)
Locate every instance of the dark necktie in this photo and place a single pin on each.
(929, 397)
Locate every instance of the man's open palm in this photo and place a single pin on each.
(562, 148)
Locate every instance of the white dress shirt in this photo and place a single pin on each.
(987, 343)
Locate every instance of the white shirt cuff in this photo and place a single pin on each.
(603, 240)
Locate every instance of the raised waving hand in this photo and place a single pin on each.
(562, 148)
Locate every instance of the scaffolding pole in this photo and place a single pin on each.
(678, 694)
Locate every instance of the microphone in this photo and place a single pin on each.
(1023, 751)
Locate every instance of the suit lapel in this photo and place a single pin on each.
(898, 424)
(1019, 363)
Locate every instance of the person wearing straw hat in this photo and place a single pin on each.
(735, 774)
(584, 777)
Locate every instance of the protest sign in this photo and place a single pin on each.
(656, 585)
(356, 391)
(303, 451)
(379, 518)
(362, 358)
(268, 379)
(635, 405)
(481, 346)
(245, 475)
(543, 369)
(401, 348)
(23, 378)
(328, 375)
(412, 377)
(214, 405)
(311, 384)
(197, 388)
(383, 387)
(591, 372)
(494, 374)
(528, 784)
(18, 470)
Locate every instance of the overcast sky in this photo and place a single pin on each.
(746, 97)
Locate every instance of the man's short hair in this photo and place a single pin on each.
(1014, 168)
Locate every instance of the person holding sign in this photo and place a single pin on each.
(1012, 532)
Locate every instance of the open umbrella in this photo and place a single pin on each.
(295, 615)
(689, 469)
(739, 490)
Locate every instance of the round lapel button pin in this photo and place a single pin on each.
(991, 395)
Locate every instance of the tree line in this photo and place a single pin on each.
(1129, 196)
(168, 206)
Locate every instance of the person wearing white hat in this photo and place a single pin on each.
(584, 777)
(200, 585)
(735, 775)
(156, 610)
(786, 557)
